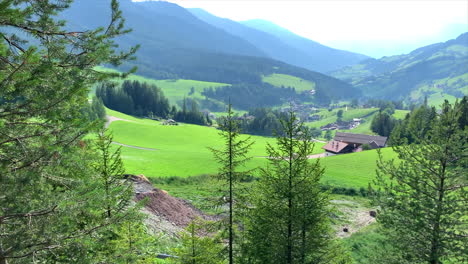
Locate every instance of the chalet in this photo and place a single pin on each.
(347, 143)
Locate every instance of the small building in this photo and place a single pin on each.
(348, 143)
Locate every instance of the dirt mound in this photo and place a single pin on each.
(176, 211)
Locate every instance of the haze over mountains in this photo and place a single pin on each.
(281, 44)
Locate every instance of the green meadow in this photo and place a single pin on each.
(285, 80)
(328, 117)
(353, 170)
(183, 151)
(179, 150)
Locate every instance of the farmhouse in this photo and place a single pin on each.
(347, 143)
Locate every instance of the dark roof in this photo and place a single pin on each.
(335, 146)
(360, 139)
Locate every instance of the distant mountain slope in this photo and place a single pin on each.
(162, 24)
(302, 51)
(430, 70)
(177, 45)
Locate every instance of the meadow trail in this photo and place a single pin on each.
(111, 119)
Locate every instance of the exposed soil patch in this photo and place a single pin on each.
(354, 217)
(171, 213)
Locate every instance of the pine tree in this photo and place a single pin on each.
(48, 199)
(423, 195)
(199, 245)
(232, 157)
(289, 220)
(118, 191)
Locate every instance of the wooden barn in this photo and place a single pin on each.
(348, 143)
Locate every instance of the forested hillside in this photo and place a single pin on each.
(434, 71)
(288, 47)
(177, 45)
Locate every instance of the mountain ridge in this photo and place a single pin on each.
(424, 69)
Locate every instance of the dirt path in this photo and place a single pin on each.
(135, 147)
(321, 141)
(315, 156)
(111, 119)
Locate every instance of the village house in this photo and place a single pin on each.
(348, 143)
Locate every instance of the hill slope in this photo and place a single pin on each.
(315, 55)
(435, 71)
(177, 45)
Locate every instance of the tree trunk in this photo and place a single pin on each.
(231, 235)
(435, 241)
(290, 202)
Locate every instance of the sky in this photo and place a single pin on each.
(373, 27)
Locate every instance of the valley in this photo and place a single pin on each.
(141, 131)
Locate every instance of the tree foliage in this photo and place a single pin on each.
(289, 219)
(423, 195)
(51, 200)
(200, 244)
(231, 158)
(383, 124)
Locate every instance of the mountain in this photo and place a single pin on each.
(309, 54)
(177, 45)
(162, 24)
(378, 48)
(435, 70)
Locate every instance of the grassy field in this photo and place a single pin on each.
(328, 117)
(435, 90)
(180, 150)
(183, 151)
(353, 170)
(279, 80)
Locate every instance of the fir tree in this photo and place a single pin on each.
(231, 157)
(289, 220)
(199, 245)
(49, 200)
(423, 195)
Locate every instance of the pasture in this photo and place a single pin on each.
(280, 80)
(180, 150)
(183, 151)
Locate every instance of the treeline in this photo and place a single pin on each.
(418, 123)
(94, 110)
(419, 119)
(135, 98)
(248, 96)
(261, 121)
(143, 99)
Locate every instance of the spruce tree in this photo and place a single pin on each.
(118, 191)
(48, 195)
(289, 220)
(231, 158)
(423, 196)
(200, 244)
